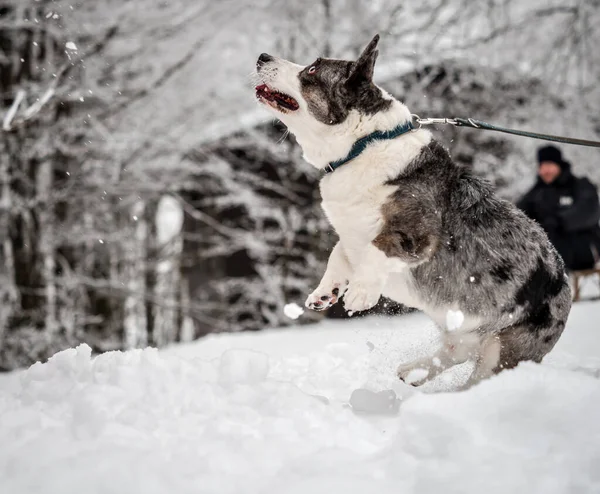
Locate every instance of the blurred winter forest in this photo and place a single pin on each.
(145, 199)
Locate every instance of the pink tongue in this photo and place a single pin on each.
(263, 87)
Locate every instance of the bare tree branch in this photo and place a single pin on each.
(161, 81)
(36, 107)
(12, 111)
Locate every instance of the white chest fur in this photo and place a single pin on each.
(353, 197)
(354, 194)
(355, 214)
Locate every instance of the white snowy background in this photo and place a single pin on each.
(296, 411)
(151, 214)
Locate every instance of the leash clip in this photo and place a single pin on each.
(433, 121)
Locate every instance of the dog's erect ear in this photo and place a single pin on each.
(365, 65)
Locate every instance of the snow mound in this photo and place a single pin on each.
(295, 411)
(243, 366)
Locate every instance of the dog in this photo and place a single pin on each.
(413, 225)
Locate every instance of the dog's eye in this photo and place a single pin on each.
(312, 70)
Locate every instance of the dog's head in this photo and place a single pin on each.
(322, 93)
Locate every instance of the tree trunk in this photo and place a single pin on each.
(9, 295)
(169, 223)
(47, 246)
(166, 292)
(135, 321)
(187, 330)
(328, 28)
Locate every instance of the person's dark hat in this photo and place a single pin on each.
(552, 153)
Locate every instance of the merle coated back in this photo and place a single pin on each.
(489, 255)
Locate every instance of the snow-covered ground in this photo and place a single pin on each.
(308, 410)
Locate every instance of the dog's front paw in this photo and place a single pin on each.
(322, 299)
(362, 295)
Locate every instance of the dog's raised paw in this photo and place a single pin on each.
(360, 296)
(321, 300)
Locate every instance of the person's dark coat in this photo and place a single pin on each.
(569, 210)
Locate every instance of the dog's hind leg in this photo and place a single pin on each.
(521, 343)
(456, 349)
(513, 345)
(488, 358)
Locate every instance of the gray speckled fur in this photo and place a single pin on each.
(488, 257)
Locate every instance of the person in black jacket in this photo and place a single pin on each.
(568, 209)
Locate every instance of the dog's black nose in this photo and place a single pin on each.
(264, 58)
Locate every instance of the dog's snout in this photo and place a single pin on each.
(264, 58)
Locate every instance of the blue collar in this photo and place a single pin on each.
(360, 145)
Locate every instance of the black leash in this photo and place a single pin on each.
(478, 124)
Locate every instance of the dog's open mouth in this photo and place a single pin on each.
(275, 99)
